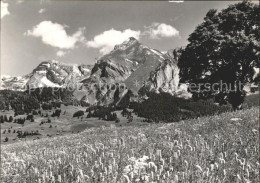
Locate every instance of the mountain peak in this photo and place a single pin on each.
(130, 41)
(50, 62)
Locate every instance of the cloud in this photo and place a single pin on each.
(106, 41)
(4, 9)
(61, 53)
(160, 30)
(55, 35)
(177, 1)
(42, 11)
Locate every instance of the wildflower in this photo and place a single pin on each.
(191, 149)
(162, 162)
(199, 168)
(132, 175)
(216, 164)
(151, 164)
(212, 167)
(207, 172)
(159, 153)
(59, 178)
(186, 163)
(235, 119)
(238, 176)
(81, 173)
(176, 178)
(152, 176)
(222, 161)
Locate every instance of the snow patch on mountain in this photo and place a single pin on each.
(51, 73)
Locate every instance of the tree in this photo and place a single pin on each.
(10, 118)
(5, 118)
(56, 113)
(223, 49)
(78, 114)
(29, 117)
(34, 112)
(124, 112)
(89, 114)
(130, 119)
(1, 119)
(117, 120)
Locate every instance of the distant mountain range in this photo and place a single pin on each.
(48, 74)
(138, 68)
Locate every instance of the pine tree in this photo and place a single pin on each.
(10, 119)
(5, 118)
(89, 114)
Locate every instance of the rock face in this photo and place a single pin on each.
(165, 78)
(49, 74)
(125, 59)
(119, 63)
(256, 76)
(133, 67)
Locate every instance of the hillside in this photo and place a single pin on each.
(221, 148)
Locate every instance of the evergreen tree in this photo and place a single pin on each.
(1, 119)
(89, 114)
(5, 118)
(10, 118)
(117, 120)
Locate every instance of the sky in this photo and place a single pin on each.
(81, 31)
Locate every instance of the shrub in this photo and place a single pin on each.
(78, 114)
(29, 117)
(56, 113)
(46, 106)
(165, 107)
(10, 119)
(117, 120)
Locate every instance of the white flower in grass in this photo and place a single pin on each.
(136, 164)
(199, 168)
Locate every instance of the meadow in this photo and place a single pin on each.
(218, 148)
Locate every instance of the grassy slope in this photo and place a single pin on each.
(63, 125)
(208, 149)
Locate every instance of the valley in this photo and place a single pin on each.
(47, 126)
(58, 126)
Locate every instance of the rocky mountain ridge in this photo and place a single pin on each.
(129, 69)
(49, 73)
